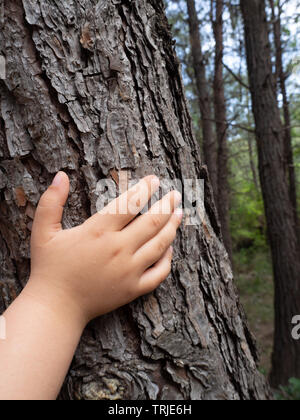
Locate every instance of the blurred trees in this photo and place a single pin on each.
(276, 126)
(214, 142)
(282, 231)
(222, 198)
(204, 95)
(281, 77)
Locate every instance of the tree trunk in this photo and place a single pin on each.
(221, 125)
(209, 141)
(281, 78)
(279, 211)
(250, 139)
(252, 162)
(96, 90)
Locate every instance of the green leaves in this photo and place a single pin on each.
(289, 392)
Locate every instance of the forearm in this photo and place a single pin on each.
(42, 334)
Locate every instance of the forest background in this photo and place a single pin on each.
(250, 248)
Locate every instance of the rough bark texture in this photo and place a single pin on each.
(209, 140)
(221, 125)
(281, 78)
(94, 88)
(250, 140)
(252, 162)
(279, 211)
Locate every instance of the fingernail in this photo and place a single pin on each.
(57, 180)
(179, 213)
(177, 198)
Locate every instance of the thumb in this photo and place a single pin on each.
(49, 212)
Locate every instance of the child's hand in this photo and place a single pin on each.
(108, 261)
(78, 274)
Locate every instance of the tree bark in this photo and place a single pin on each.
(250, 139)
(252, 162)
(279, 211)
(205, 106)
(95, 89)
(221, 125)
(281, 78)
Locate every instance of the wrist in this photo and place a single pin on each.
(56, 302)
(43, 332)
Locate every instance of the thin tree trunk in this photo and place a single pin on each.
(280, 73)
(250, 139)
(279, 211)
(209, 141)
(221, 125)
(252, 163)
(96, 90)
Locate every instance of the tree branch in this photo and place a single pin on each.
(237, 78)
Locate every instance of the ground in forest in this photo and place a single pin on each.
(253, 276)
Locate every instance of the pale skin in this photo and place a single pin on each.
(79, 274)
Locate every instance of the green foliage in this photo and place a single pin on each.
(247, 217)
(252, 260)
(248, 224)
(254, 279)
(253, 276)
(289, 392)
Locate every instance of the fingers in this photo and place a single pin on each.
(154, 276)
(148, 225)
(49, 212)
(153, 250)
(124, 209)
